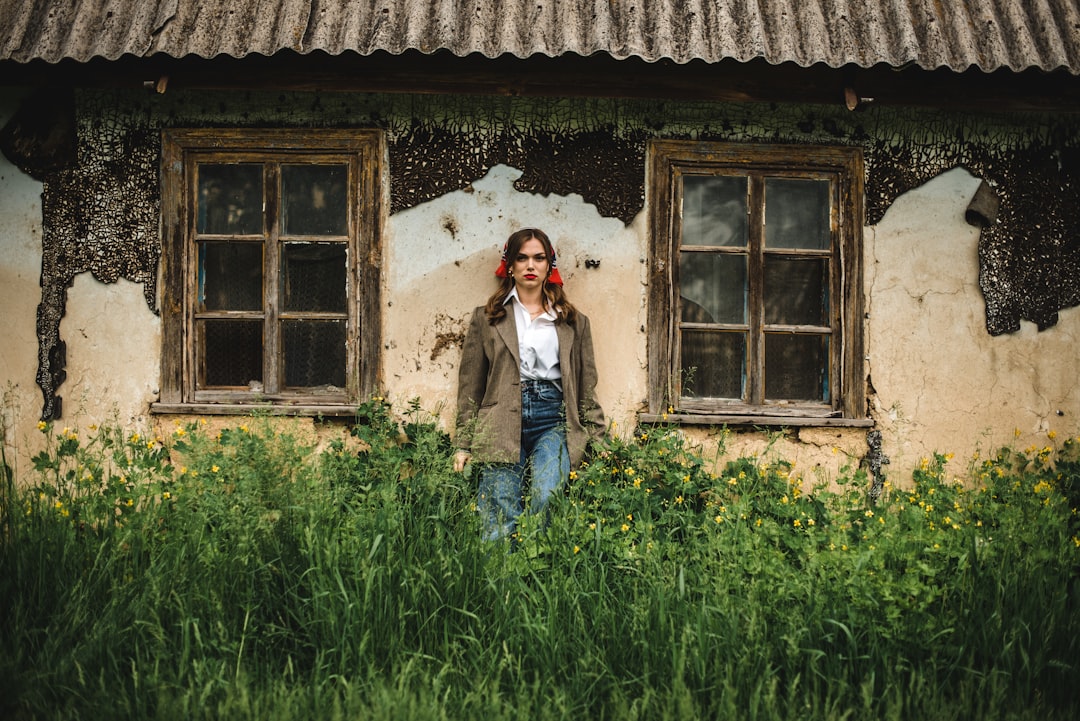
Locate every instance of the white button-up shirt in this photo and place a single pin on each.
(538, 342)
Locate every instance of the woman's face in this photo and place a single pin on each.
(531, 265)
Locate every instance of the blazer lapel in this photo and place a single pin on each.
(565, 331)
(507, 330)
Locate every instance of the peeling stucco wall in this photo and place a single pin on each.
(941, 382)
(20, 270)
(434, 282)
(466, 171)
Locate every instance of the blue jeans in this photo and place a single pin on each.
(543, 451)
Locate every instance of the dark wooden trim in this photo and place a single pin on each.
(571, 75)
(764, 421)
(246, 409)
(173, 217)
(852, 307)
(844, 167)
(660, 289)
(364, 151)
(755, 273)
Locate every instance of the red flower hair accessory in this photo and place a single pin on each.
(553, 274)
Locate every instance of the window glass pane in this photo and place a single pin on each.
(796, 291)
(713, 287)
(314, 277)
(796, 367)
(232, 352)
(314, 199)
(314, 353)
(230, 199)
(230, 276)
(713, 364)
(796, 213)
(714, 210)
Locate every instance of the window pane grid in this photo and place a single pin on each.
(782, 290)
(293, 287)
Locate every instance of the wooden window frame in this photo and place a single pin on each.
(667, 159)
(364, 152)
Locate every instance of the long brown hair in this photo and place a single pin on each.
(553, 294)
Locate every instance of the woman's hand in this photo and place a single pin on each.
(460, 459)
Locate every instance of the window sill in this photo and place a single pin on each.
(247, 409)
(711, 419)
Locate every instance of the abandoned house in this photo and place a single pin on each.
(800, 221)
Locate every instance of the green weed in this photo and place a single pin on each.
(248, 575)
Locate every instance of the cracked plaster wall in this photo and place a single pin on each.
(466, 171)
(941, 382)
(20, 293)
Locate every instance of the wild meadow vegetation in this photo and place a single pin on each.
(243, 574)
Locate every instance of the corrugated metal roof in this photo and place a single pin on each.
(958, 34)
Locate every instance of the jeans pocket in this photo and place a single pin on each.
(549, 393)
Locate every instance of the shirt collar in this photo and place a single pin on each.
(513, 295)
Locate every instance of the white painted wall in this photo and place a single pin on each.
(113, 353)
(113, 339)
(20, 292)
(441, 259)
(942, 382)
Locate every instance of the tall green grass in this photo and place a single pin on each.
(246, 575)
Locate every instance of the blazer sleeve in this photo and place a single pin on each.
(592, 415)
(472, 380)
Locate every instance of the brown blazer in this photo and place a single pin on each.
(489, 389)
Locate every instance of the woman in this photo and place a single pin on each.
(527, 385)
